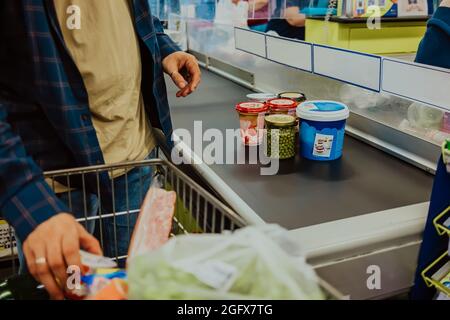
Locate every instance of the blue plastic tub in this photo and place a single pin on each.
(322, 129)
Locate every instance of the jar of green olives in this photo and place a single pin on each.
(280, 136)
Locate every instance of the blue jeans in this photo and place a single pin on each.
(114, 233)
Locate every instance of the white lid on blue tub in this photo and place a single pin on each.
(325, 111)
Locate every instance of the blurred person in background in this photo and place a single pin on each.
(81, 84)
(286, 20)
(258, 14)
(434, 49)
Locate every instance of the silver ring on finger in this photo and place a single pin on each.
(41, 260)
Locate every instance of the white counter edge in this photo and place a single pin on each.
(384, 226)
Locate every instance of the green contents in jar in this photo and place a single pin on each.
(280, 136)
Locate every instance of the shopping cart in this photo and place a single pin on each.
(196, 210)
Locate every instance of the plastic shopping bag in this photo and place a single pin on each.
(257, 262)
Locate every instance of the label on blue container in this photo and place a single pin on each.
(323, 145)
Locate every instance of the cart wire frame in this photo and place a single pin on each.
(196, 209)
(205, 212)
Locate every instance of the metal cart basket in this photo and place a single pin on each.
(196, 210)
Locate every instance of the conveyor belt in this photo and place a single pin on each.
(304, 193)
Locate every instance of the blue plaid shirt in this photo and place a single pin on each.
(45, 122)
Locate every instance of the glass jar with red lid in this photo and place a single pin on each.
(251, 120)
(282, 105)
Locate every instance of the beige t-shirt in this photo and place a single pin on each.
(106, 52)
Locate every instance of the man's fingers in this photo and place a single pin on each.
(56, 261)
(71, 249)
(89, 242)
(195, 74)
(44, 273)
(178, 79)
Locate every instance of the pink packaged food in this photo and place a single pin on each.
(154, 223)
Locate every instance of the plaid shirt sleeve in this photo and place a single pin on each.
(166, 45)
(26, 200)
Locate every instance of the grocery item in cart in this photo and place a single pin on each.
(105, 284)
(256, 262)
(116, 289)
(251, 120)
(96, 272)
(322, 129)
(154, 223)
(91, 262)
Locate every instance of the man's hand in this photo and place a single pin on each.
(445, 3)
(183, 68)
(52, 247)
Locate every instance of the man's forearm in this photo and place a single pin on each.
(25, 199)
(166, 45)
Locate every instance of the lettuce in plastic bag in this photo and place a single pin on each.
(251, 263)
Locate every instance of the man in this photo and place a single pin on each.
(78, 93)
(258, 14)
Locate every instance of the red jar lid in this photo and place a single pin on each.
(251, 107)
(282, 104)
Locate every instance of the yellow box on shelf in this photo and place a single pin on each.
(394, 36)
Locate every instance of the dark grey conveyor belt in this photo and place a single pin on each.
(304, 193)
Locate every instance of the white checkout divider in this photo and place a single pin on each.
(413, 81)
(426, 84)
(359, 69)
(291, 53)
(250, 41)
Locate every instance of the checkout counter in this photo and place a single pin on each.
(364, 211)
(356, 218)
